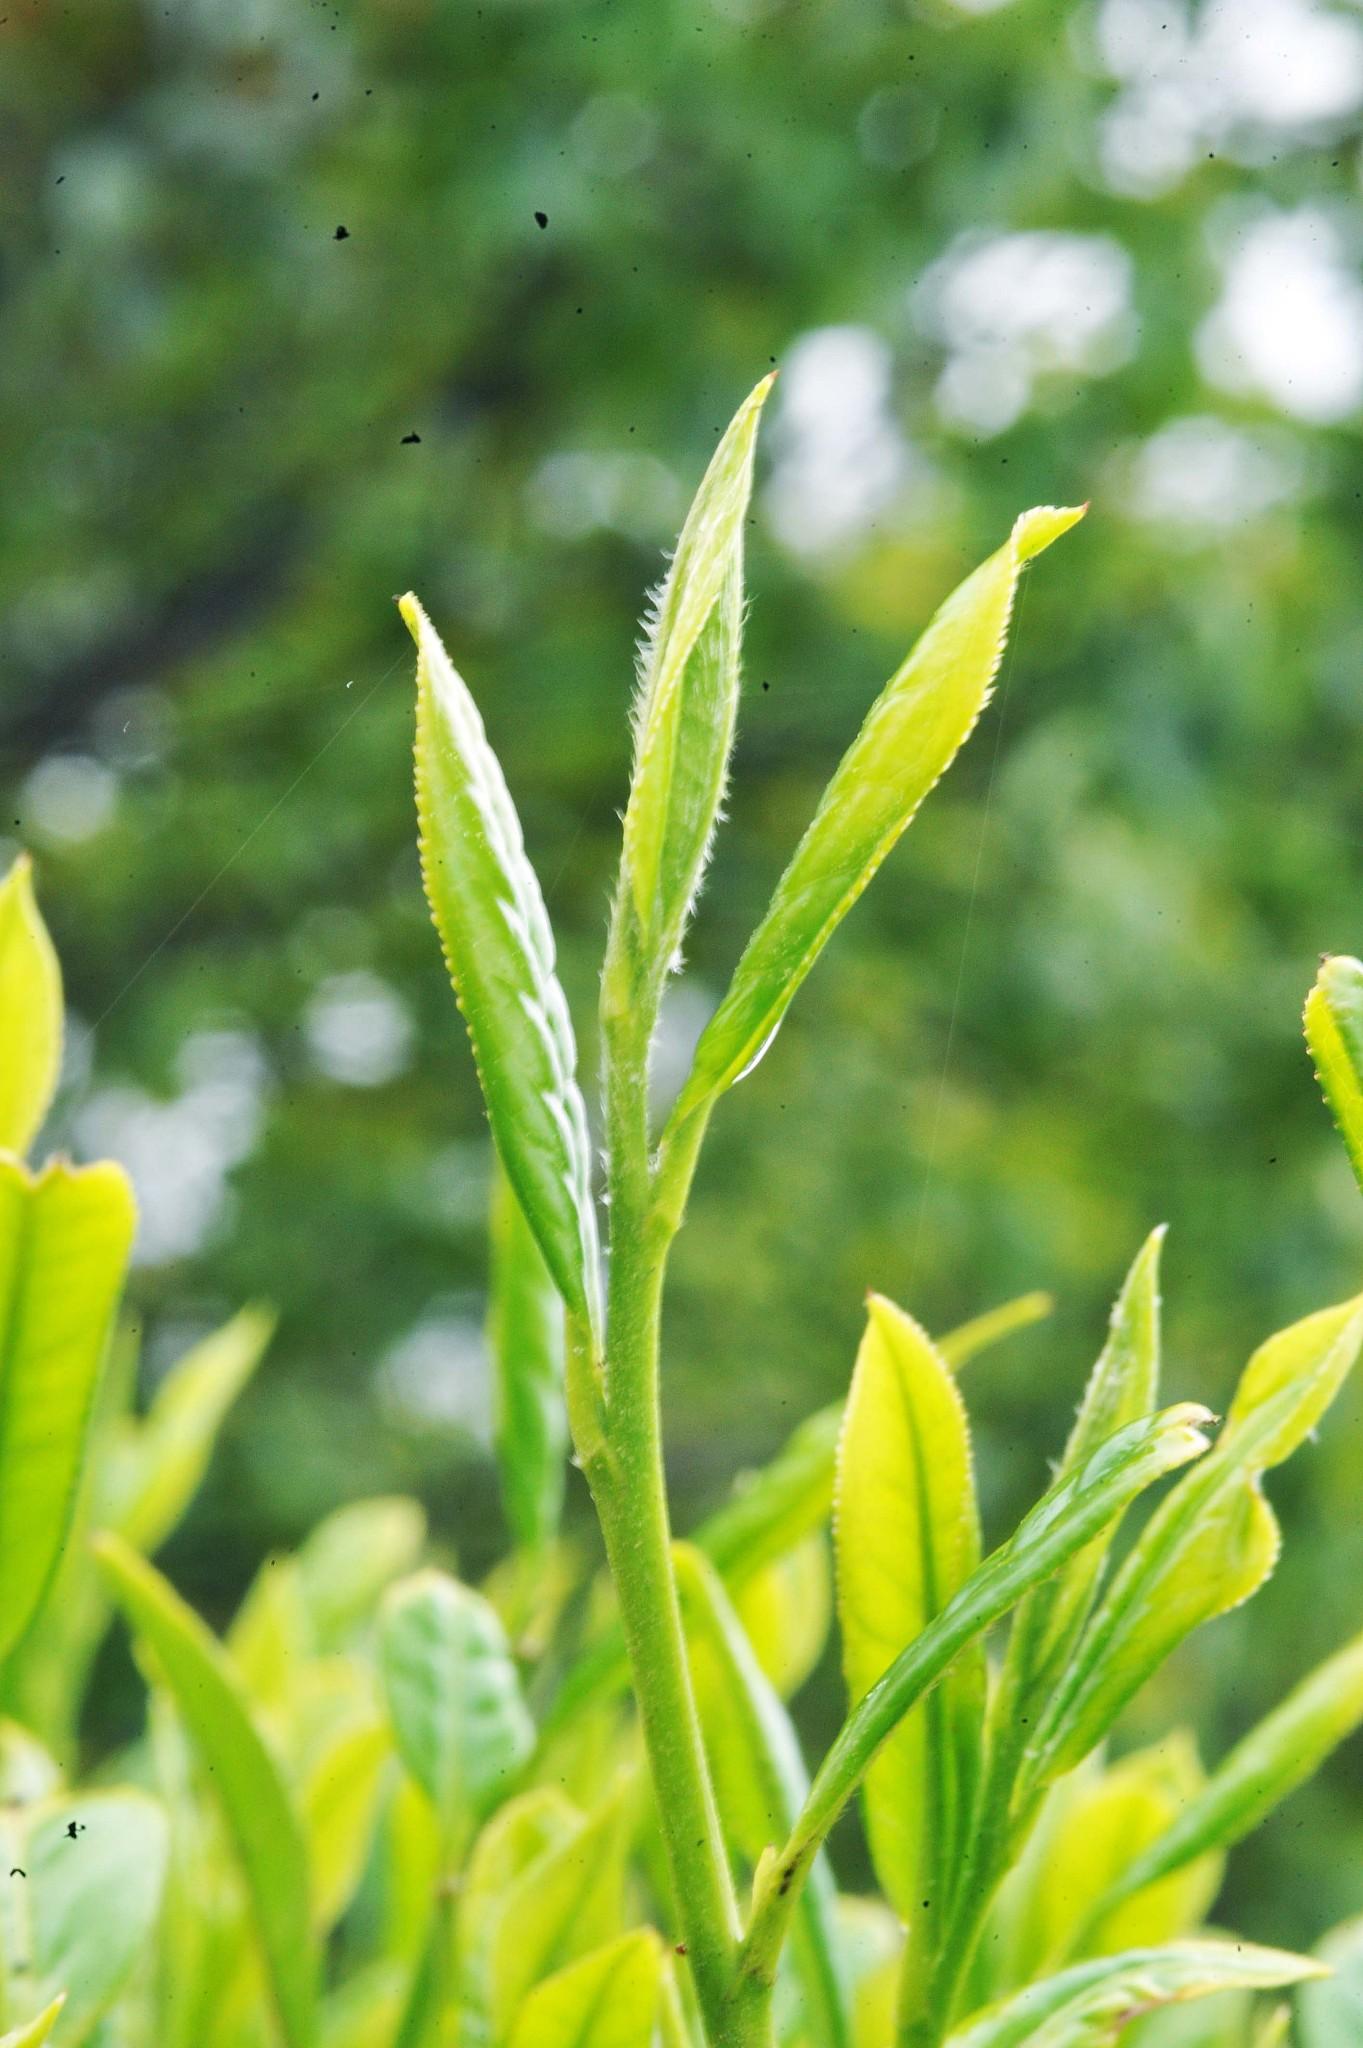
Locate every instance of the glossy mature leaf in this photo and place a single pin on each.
(1090, 2003)
(155, 1467)
(525, 1337)
(1330, 2010)
(351, 1558)
(1070, 1515)
(760, 1778)
(30, 1011)
(1334, 1036)
(1208, 1547)
(1272, 1760)
(262, 1823)
(608, 1999)
(1058, 1904)
(92, 1901)
(688, 698)
(65, 1235)
(1123, 1385)
(461, 1724)
(907, 1537)
(34, 2032)
(499, 949)
(785, 1610)
(909, 738)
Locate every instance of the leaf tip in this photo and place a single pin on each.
(1034, 531)
(413, 614)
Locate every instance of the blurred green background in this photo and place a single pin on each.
(281, 336)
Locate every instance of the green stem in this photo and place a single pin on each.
(629, 1487)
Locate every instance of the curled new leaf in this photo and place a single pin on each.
(688, 697)
(1208, 1547)
(909, 738)
(499, 949)
(30, 1011)
(525, 1333)
(1334, 1036)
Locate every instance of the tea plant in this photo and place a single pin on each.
(565, 1812)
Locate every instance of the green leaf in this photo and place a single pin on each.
(909, 738)
(760, 1777)
(525, 1337)
(1334, 1036)
(1089, 2004)
(1071, 1514)
(155, 1467)
(565, 1903)
(461, 1724)
(92, 1900)
(35, 2031)
(499, 950)
(1279, 1754)
(907, 1539)
(30, 1011)
(351, 1558)
(519, 1834)
(1208, 1547)
(265, 1830)
(688, 699)
(608, 1999)
(65, 1235)
(1330, 2011)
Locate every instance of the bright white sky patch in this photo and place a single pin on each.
(841, 458)
(1289, 324)
(1011, 308)
(1244, 77)
(1202, 474)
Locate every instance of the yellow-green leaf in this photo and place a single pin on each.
(65, 1235)
(262, 1822)
(785, 1610)
(30, 1011)
(1089, 2004)
(35, 2031)
(907, 1538)
(1058, 1903)
(1334, 1038)
(155, 1466)
(608, 1999)
(909, 738)
(499, 949)
(339, 1801)
(351, 1558)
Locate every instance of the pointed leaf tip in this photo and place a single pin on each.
(1035, 530)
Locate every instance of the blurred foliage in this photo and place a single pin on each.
(282, 335)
